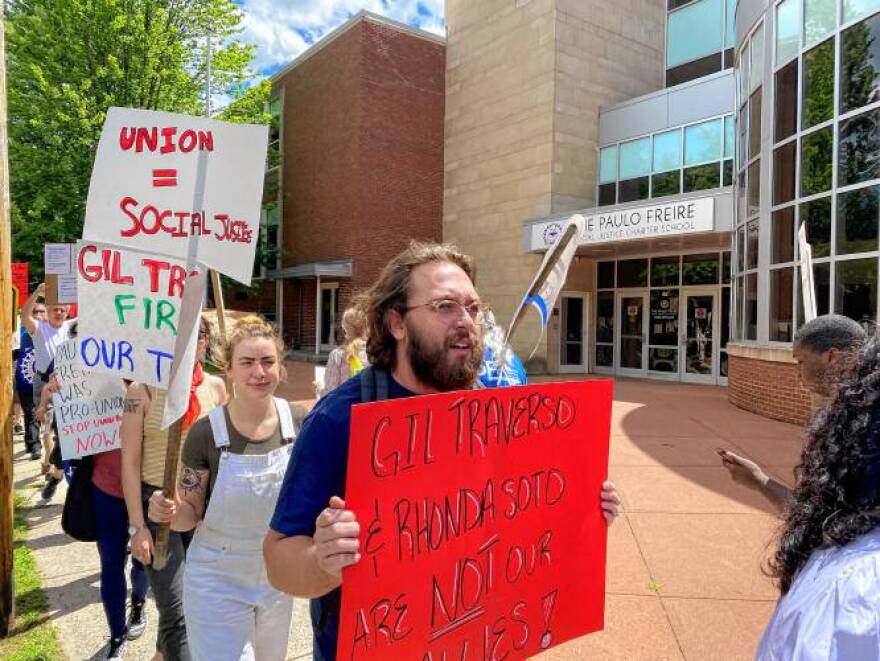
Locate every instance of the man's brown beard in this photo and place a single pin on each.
(432, 367)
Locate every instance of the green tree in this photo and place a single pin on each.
(249, 106)
(68, 61)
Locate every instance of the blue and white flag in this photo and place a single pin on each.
(550, 278)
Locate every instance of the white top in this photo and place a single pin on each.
(46, 341)
(338, 370)
(832, 611)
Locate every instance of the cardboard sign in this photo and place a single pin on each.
(177, 185)
(19, 283)
(88, 407)
(58, 258)
(131, 303)
(481, 531)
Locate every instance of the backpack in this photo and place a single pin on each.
(374, 384)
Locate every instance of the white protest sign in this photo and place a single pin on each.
(130, 311)
(808, 288)
(88, 407)
(67, 288)
(57, 258)
(145, 181)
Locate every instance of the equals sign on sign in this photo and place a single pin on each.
(164, 178)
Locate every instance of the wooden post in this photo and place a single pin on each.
(218, 304)
(169, 488)
(7, 593)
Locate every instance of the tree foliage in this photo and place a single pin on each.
(69, 61)
(249, 106)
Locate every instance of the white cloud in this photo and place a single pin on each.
(283, 29)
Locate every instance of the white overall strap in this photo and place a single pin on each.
(285, 419)
(217, 418)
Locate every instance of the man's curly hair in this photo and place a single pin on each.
(837, 497)
(391, 290)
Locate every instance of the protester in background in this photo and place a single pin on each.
(112, 528)
(824, 349)
(424, 318)
(350, 357)
(233, 465)
(24, 383)
(827, 564)
(144, 445)
(46, 334)
(53, 467)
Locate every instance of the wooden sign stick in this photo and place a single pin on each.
(169, 489)
(175, 433)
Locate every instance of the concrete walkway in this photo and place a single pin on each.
(684, 562)
(71, 579)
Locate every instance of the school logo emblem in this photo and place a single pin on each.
(551, 233)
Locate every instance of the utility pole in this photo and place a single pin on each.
(7, 592)
(208, 79)
(215, 277)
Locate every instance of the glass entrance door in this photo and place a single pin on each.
(632, 334)
(699, 347)
(572, 333)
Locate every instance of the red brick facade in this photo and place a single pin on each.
(259, 298)
(771, 389)
(362, 133)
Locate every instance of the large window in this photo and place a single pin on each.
(684, 159)
(268, 246)
(700, 35)
(824, 169)
(748, 235)
(634, 170)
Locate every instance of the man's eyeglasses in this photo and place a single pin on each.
(450, 310)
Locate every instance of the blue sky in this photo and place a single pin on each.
(283, 29)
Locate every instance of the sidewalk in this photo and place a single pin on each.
(71, 573)
(684, 561)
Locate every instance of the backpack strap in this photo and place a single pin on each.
(285, 419)
(374, 384)
(217, 418)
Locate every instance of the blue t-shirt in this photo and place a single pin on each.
(316, 472)
(24, 363)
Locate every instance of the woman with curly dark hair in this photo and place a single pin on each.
(827, 564)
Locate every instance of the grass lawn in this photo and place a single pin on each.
(33, 637)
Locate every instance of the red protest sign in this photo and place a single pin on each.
(20, 281)
(481, 531)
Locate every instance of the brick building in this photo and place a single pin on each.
(355, 170)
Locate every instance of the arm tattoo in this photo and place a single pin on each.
(190, 481)
(131, 405)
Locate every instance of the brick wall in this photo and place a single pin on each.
(402, 102)
(299, 314)
(363, 158)
(258, 298)
(771, 389)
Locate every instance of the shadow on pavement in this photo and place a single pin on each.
(56, 539)
(74, 595)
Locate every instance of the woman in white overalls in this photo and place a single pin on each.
(233, 464)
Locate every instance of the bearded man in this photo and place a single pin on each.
(424, 317)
